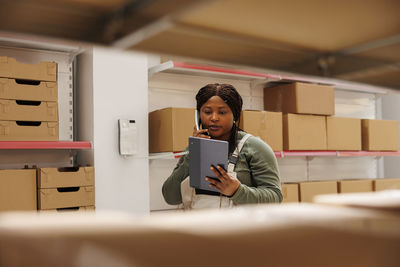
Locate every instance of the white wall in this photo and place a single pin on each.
(119, 90)
(391, 111)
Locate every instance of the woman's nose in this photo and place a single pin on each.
(214, 117)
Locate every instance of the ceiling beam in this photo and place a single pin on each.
(392, 40)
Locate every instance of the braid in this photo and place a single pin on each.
(232, 98)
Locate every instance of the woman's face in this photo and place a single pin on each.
(217, 117)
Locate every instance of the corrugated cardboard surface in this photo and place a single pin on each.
(170, 128)
(310, 189)
(264, 124)
(51, 198)
(11, 131)
(386, 184)
(343, 133)
(302, 98)
(290, 193)
(17, 190)
(354, 186)
(304, 132)
(53, 177)
(14, 110)
(44, 91)
(45, 71)
(380, 135)
(258, 235)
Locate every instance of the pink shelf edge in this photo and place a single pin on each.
(311, 153)
(45, 145)
(201, 67)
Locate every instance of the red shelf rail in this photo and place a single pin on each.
(194, 68)
(45, 145)
(222, 70)
(314, 153)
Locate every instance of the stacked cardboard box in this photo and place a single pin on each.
(304, 107)
(18, 190)
(386, 184)
(170, 128)
(380, 135)
(264, 124)
(308, 123)
(343, 133)
(65, 188)
(290, 192)
(28, 101)
(306, 191)
(355, 186)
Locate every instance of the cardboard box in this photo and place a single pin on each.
(22, 110)
(290, 193)
(287, 235)
(304, 132)
(264, 124)
(28, 131)
(379, 135)
(355, 186)
(17, 190)
(35, 91)
(310, 189)
(72, 209)
(45, 71)
(386, 184)
(301, 98)
(66, 197)
(170, 128)
(343, 133)
(65, 177)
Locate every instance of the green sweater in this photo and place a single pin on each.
(257, 171)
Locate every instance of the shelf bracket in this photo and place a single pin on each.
(257, 83)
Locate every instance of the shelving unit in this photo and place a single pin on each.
(174, 82)
(15, 154)
(263, 78)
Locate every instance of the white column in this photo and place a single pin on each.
(119, 91)
(391, 111)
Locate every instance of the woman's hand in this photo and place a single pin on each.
(226, 185)
(203, 133)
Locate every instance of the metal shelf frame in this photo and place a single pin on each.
(259, 78)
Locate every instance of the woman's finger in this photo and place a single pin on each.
(216, 172)
(223, 174)
(200, 133)
(214, 183)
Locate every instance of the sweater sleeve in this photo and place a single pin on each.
(171, 189)
(264, 170)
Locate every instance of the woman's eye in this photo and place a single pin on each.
(207, 112)
(222, 112)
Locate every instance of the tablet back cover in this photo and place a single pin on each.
(203, 153)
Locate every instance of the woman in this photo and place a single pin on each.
(255, 176)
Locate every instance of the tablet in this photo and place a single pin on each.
(203, 154)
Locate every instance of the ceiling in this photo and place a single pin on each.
(347, 39)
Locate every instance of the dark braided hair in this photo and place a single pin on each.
(232, 98)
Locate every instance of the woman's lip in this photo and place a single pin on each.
(213, 128)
